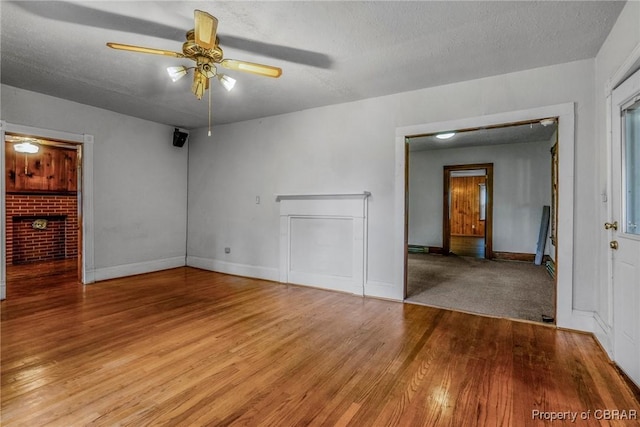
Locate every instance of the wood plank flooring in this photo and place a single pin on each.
(37, 278)
(467, 246)
(189, 347)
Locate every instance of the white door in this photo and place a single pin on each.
(625, 225)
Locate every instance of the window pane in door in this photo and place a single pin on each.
(632, 169)
(483, 202)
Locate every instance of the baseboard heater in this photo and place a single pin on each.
(551, 268)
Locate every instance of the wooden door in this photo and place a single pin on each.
(466, 206)
(466, 213)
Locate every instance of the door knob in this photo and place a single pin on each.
(613, 244)
(609, 225)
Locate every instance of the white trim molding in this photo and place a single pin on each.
(566, 316)
(382, 290)
(603, 333)
(236, 269)
(114, 272)
(624, 71)
(85, 194)
(321, 196)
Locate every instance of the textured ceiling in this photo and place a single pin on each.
(330, 52)
(515, 134)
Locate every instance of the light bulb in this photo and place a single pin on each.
(445, 135)
(176, 73)
(227, 82)
(26, 147)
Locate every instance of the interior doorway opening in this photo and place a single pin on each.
(468, 210)
(446, 232)
(43, 215)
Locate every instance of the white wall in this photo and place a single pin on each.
(521, 187)
(351, 147)
(614, 60)
(140, 181)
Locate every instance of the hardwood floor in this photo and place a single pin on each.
(467, 246)
(190, 347)
(37, 278)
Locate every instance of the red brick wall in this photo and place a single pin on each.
(60, 238)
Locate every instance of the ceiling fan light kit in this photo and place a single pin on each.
(202, 47)
(227, 82)
(176, 73)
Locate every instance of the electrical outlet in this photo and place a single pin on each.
(227, 250)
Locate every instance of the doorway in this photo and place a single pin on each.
(468, 210)
(42, 214)
(85, 197)
(461, 273)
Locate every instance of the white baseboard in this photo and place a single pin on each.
(579, 320)
(603, 334)
(265, 273)
(325, 281)
(137, 268)
(383, 290)
(89, 277)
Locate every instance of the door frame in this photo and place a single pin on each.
(566, 316)
(446, 221)
(85, 196)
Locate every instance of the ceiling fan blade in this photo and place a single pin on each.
(86, 15)
(284, 53)
(251, 67)
(141, 49)
(205, 29)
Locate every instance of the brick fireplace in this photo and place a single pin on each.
(41, 227)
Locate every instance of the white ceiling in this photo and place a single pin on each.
(514, 134)
(330, 52)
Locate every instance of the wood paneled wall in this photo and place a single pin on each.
(465, 206)
(52, 169)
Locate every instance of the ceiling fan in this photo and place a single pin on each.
(203, 48)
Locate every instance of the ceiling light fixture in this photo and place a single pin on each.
(202, 73)
(207, 70)
(26, 147)
(445, 135)
(547, 122)
(226, 81)
(176, 73)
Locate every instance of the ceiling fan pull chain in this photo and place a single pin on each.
(209, 133)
